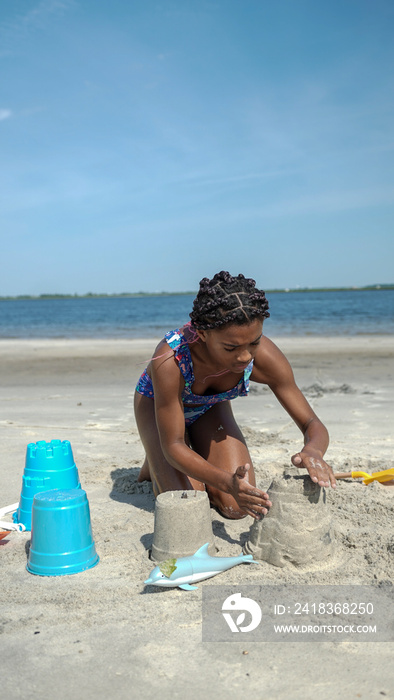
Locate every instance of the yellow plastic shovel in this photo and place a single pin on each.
(383, 477)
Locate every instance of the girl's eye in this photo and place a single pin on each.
(255, 344)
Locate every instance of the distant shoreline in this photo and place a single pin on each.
(90, 295)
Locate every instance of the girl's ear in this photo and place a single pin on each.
(202, 335)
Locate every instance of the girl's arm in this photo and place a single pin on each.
(272, 368)
(168, 384)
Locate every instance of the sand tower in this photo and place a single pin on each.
(182, 525)
(297, 528)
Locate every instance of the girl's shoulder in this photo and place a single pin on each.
(171, 355)
(270, 364)
(172, 339)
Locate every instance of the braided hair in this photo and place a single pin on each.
(226, 299)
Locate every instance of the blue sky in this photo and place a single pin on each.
(146, 144)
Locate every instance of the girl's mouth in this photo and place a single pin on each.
(240, 368)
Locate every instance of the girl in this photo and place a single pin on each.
(182, 400)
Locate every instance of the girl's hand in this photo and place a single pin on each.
(250, 499)
(319, 471)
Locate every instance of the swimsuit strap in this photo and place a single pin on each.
(177, 342)
(247, 372)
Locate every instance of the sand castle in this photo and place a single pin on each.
(182, 525)
(297, 529)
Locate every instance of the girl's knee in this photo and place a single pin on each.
(233, 513)
(228, 510)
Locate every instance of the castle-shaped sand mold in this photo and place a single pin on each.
(297, 529)
(182, 525)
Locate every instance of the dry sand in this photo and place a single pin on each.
(100, 633)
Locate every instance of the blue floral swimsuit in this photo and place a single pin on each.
(177, 341)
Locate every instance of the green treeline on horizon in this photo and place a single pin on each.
(91, 295)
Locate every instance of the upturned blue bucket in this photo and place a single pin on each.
(48, 466)
(61, 539)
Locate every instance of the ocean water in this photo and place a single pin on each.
(342, 313)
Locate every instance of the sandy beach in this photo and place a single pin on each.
(101, 633)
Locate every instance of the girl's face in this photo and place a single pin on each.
(232, 346)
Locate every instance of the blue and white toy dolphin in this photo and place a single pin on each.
(186, 570)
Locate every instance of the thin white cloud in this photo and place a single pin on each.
(21, 25)
(203, 180)
(35, 17)
(329, 202)
(5, 114)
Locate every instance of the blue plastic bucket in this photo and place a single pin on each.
(49, 465)
(61, 540)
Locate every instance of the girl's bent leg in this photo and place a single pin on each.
(144, 474)
(163, 475)
(218, 439)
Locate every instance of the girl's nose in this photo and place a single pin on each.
(244, 357)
